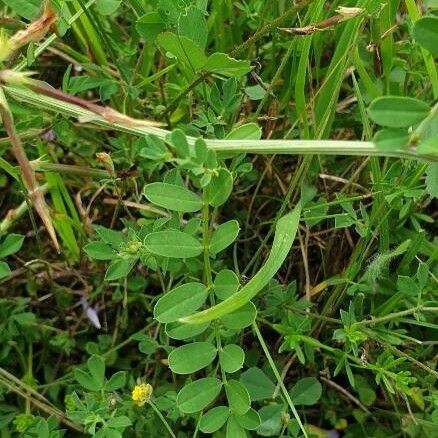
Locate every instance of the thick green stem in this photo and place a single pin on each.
(291, 147)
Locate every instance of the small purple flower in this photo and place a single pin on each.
(49, 135)
(91, 313)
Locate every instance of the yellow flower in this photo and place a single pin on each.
(141, 393)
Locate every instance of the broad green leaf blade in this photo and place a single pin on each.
(224, 236)
(179, 302)
(398, 111)
(214, 419)
(258, 384)
(250, 420)
(107, 7)
(198, 394)
(116, 381)
(99, 251)
(185, 50)
(231, 358)
(96, 366)
(11, 244)
(85, 380)
(192, 357)
(248, 131)
(173, 244)
(220, 187)
(226, 284)
(119, 268)
(391, 139)
(432, 180)
(426, 33)
(306, 391)
(234, 429)
(285, 233)
(28, 9)
(238, 397)
(178, 331)
(5, 270)
(149, 26)
(172, 197)
(193, 25)
(225, 65)
(242, 317)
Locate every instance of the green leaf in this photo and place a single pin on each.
(391, 139)
(271, 420)
(398, 111)
(28, 9)
(224, 236)
(193, 25)
(428, 147)
(113, 238)
(185, 331)
(226, 283)
(432, 180)
(119, 422)
(172, 197)
(173, 244)
(99, 251)
(119, 268)
(5, 270)
(185, 50)
(220, 187)
(250, 420)
(11, 244)
(96, 366)
(248, 131)
(149, 26)
(231, 358)
(107, 7)
(179, 141)
(234, 429)
(284, 236)
(238, 397)
(192, 357)
(258, 384)
(426, 33)
(197, 395)
(223, 64)
(306, 391)
(85, 380)
(214, 419)
(180, 301)
(116, 381)
(240, 318)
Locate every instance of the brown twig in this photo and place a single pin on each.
(36, 196)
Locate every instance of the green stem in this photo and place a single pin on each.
(207, 271)
(291, 147)
(278, 377)
(161, 417)
(396, 315)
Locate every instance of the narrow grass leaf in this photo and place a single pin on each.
(284, 236)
